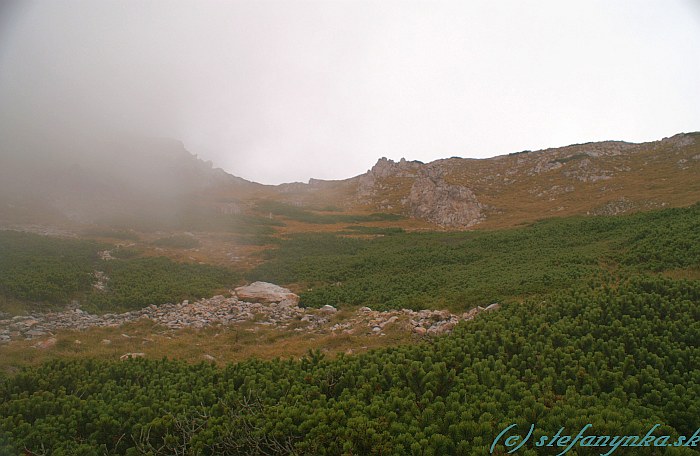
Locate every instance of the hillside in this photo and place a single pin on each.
(618, 357)
(604, 178)
(122, 330)
(111, 181)
(157, 184)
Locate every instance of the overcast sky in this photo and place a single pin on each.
(280, 91)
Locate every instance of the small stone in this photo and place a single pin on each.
(420, 330)
(131, 356)
(365, 309)
(105, 341)
(48, 343)
(208, 357)
(389, 321)
(328, 309)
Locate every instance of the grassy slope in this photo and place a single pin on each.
(619, 357)
(379, 267)
(39, 272)
(464, 269)
(602, 342)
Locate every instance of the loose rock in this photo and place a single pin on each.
(48, 343)
(131, 356)
(281, 311)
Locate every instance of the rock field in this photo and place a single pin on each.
(275, 307)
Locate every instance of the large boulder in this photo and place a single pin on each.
(267, 293)
(492, 307)
(328, 309)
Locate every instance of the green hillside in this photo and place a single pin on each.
(460, 270)
(599, 325)
(41, 273)
(620, 357)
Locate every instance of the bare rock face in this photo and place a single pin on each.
(433, 199)
(367, 186)
(267, 293)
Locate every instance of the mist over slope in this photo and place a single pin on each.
(106, 179)
(122, 179)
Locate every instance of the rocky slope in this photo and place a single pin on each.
(266, 304)
(609, 177)
(160, 181)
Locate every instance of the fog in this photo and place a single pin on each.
(279, 91)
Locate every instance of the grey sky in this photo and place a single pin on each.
(278, 91)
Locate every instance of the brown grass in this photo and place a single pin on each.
(225, 343)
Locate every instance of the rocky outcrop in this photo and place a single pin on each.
(369, 184)
(421, 322)
(199, 314)
(624, 205)
(430, 197)
(220, 310)
(448, 205)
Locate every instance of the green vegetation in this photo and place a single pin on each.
(665, 240)
(256, 239)
(194, 218)
(178, 241)
(125, 252)
(41, 268)
(465, 269)
(622, 358)
(125, 235)
(140, 282)
(307, 216)
(360, 229)
(242, 224)
(50, 271)
(601, 337)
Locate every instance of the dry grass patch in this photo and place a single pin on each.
(224, 343)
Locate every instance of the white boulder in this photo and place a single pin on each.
(267, 293)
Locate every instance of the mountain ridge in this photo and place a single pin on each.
(160, 179)
(463, 192)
